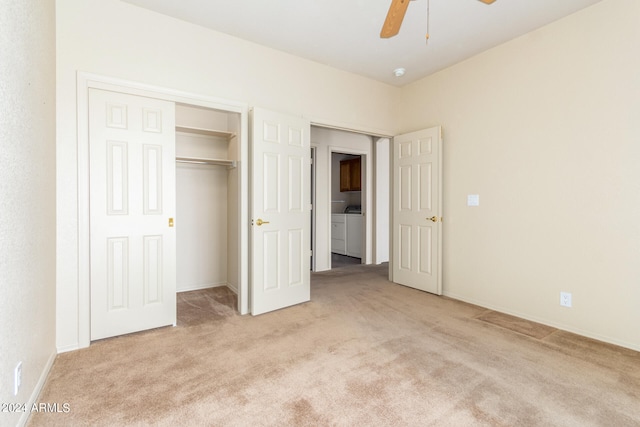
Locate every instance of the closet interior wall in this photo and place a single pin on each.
(207, 198)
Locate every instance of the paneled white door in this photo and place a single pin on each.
(417, 210)
(132, 206)
(280, 213)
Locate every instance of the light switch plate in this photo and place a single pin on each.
(473, 200)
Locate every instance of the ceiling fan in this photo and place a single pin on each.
(398, 8)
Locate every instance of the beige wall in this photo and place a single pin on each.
(546, 130)
(27, 197)
(115, 39)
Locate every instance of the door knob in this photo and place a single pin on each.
(259, 222)
(433, 218)
(170, 222)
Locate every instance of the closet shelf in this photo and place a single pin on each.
(207, 132)
(202, 161)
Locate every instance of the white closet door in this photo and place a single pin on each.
(280, 195)
(132, 205)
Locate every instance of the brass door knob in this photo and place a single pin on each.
(433, 218)
(259, 222)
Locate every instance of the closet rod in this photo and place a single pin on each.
(212, 162)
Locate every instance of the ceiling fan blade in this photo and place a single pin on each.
(487, 1)
(392, 23)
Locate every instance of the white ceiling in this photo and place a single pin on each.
(345, 33)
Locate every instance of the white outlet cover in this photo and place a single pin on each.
(17, 379)
(473, 200)
(565, 299)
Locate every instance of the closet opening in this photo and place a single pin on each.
(207, 200)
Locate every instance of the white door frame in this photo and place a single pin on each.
(89, 80)
(313, 206)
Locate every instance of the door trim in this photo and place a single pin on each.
(313, 149)
(84, 82)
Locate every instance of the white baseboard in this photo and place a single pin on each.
(233, 287)
(36, 391)
(546, 322)
(200, 287)
(68, 348)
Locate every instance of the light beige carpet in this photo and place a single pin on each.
(363, 352)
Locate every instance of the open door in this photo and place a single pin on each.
(280, 215)
(417, 210)
(132, 206)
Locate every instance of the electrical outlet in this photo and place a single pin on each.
(565, 299)
(17, 378)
